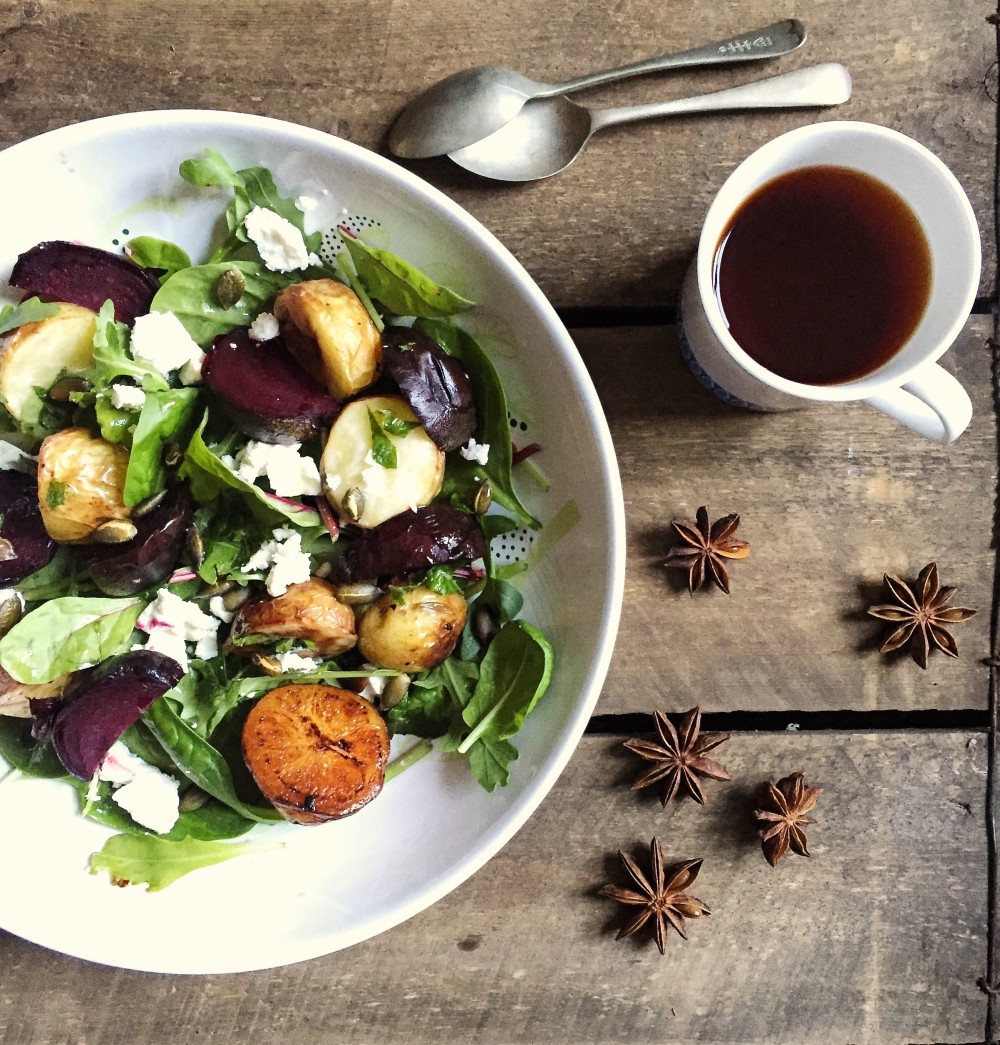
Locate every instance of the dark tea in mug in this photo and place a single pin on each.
(823, 274)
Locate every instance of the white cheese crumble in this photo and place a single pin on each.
(478, 452)
(305, 203)
(171, 622)
(281, 246)
(218, 609)
(264, 327)
(150, 797)
(127, 397)
(294, 662)
(14, 458)
(289, 473)
(159, 338)
(288, 563)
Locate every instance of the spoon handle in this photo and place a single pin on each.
(815, 85)
(769, 42)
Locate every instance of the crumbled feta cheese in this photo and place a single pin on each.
(374, 685)
(127, 397)
(281, 246)
(289, 473)
(150, 797)
(264, 327)
(218, 609)
(305, 203)
(288, 563)
(294, 662)
(170, 622)
(14, 458)
(160, 339)
(478, 452)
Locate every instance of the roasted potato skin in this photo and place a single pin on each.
(81, 479)
(317, 752)
(35, 354)
(309, 611)
(328, 330)
(414, 630)
(15, 697)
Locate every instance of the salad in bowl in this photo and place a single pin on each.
(261, 475)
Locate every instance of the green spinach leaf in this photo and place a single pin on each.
(153, 253)
(31, 310)
(165, 417)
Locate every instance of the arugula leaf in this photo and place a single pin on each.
(513, 677)
(153, 253)
(423, 712)
(165, 416)
(157, 862)
(64, 575)
(31, 310)
(489, 759)
(209, 169)
(190, 295)
(493, 425)
(67, 634)
(112, 358)
(383, 451)
(441, 579)
(399, 286)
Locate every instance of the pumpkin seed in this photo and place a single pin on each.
(148, 505)
(360, 594)
(62, 389)
(484, 625)
(173, 454)
(195, 546)
(6, 550)
(10, 612)
(395, 689)
(268, 664)
(193, 798)
(483, 498)
(353, 504)
(230, 287)
(209, 591)
(114, 531)
(233, 599)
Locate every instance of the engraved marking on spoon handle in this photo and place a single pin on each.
(814, 86)
(768, 42)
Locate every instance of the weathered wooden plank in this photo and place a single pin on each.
(619, 226)
(830, 498)
(879, 938)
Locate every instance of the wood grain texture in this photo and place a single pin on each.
(617, 228)
(877, 939)
(830, 498)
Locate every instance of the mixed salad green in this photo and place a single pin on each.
(251, 503)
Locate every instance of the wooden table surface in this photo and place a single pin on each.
(883, 935)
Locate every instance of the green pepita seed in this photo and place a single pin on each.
(146, 506)
(173, 454)
(114, 531)
(233, 599)
(10, 613)
(353, 504)
(483, 498)
(395, 689)
(230, 287)
(268, 664)
(195, 546)
(361, 594)
(62, 389)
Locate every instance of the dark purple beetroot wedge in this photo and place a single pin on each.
(414, 540)
(151, 555)
(269, 396)
(87, 276)
(86, 727)
(434, 383)
(24, 544)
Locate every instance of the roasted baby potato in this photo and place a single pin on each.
(361, 490)
(328, 330)
(309, 611)
(411, 631)
(80, 482)
(35, 354)
(316, 752)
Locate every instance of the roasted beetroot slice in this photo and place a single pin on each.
(87, 276)
(414, 540)
(24, 544)
(86, 727)
(269, 396)
(150, 557)
(434, 383)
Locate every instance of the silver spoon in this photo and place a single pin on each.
(476, 102)
(548, 134)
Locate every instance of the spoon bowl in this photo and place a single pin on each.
(470, 105)
(548, 134)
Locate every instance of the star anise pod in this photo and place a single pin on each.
(921, 613)
(659, 897)
(679, 756)
(705, 549)
(782, 814)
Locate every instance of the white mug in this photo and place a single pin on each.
(910, 387)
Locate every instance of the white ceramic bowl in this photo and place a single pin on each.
(332, 886)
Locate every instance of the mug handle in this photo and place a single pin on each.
(932, 403)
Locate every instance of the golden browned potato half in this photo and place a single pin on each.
(412, 631)
(80, 482)
(364, 492)
(328, 330)
(35, 354)
(317, 752)
(309, 611)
